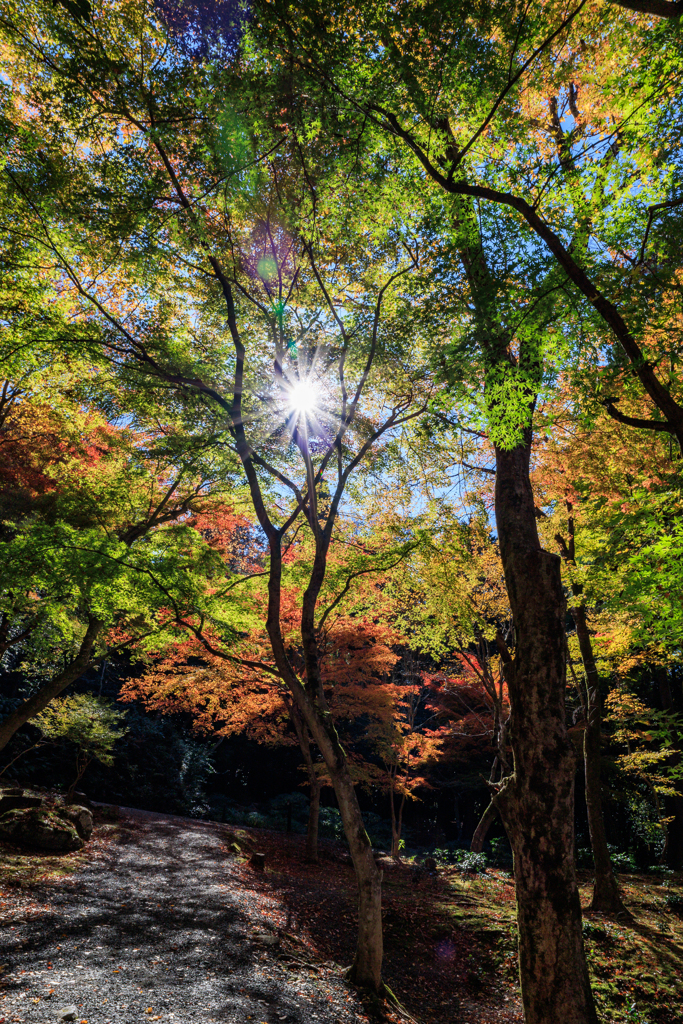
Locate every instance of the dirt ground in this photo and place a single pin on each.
(159, 921)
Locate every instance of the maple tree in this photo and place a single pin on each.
(90, 723)
(357, 652)
(402, 76)
(249, 295)
(608, 490)
(293, 235)
(92, 519)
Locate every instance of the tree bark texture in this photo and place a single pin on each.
(606, 896)
(536, 802)
(35, 704)
(366, 970)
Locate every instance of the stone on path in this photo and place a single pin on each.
(258, 861)
(68, 1013)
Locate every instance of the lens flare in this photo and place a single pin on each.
(303, 397)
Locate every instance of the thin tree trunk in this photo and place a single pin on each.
(82, 762)
(392, 806)
(673, 804)
(606, 895)
(35, 704)
(303, 736)
(400, 821)
(481, 831)
(396, 824)
(313, 819)
(536, 802)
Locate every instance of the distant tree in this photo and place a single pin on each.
(92, 521)
(90, 723)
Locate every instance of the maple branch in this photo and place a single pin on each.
(505, 655)
(513, 81)
(478, 469)
(354, 576)
(128, 643)
(71, 672)
(635, 421)
(39, 743)
(653, 210)
(6, 642)
(240, 579)
(660, 8)
(603, 306)
(562, 545)
(248, 663)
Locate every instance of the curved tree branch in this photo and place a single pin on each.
(660, 8)
(634, 421)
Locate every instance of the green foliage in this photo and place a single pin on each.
(91, 723)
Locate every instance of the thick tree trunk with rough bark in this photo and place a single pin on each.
(40, 700)
(606, 896)
(536, 802)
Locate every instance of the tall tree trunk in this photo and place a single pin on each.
(366, 970)
(536, 802)
(40, 700)
(481, 831)
(606, 895)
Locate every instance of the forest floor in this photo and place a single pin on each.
(157, 920)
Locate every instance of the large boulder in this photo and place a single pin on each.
(38, 828)
(80, 817)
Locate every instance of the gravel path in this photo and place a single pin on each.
(161, 928)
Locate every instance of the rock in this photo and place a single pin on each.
(13, 799)
(266, 938)
(68, 1013)
(81, 817)
(258, 861)
(37, 827)
(338, 857)
(430, 864)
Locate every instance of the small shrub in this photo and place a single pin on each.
(674, 903)
(593, 930)
(501, 853)
(473, 863)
